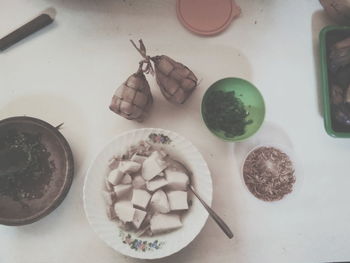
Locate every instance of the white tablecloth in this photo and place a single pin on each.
(69, 71)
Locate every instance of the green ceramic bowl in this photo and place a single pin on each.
(251, 98)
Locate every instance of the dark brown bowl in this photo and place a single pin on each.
(27, 211)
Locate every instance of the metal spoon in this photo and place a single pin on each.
(224, 227)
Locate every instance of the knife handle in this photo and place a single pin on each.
(29, 28)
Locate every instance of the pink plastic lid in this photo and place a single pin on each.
(207, 17)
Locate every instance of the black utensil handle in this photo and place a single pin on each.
(31, 27)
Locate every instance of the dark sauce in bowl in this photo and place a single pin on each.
(25, 165)
(36, 169)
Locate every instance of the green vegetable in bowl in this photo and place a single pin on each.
(226, 112)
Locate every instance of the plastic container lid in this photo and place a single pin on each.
(206, 17)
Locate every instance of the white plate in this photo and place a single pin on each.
(160, 245)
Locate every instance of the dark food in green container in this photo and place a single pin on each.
(342, 76)
(339, 58)
(340, 55)
(226, 112)
(335, 56)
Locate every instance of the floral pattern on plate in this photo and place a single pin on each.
(138, 244)
(159, 138)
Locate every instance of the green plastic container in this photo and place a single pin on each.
(323, 39)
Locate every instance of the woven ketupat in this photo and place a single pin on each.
(175, 80)
(133, 98)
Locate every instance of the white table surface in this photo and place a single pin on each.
(69, 71)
